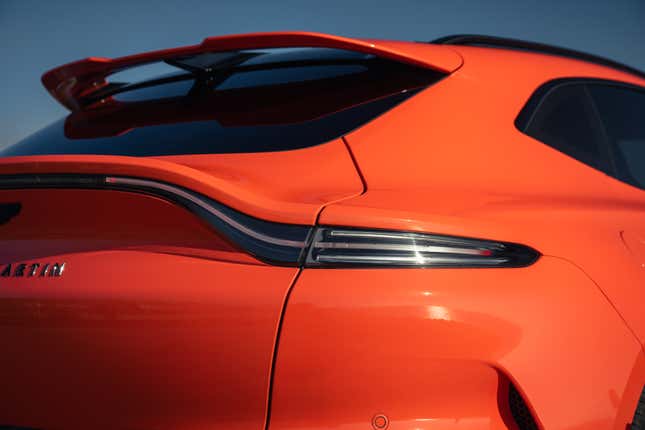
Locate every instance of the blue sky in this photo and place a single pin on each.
(38, 35)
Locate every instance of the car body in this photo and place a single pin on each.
(305, 231)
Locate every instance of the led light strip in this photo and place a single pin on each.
(408, 236)
(347, 247)
(402, 247)
(412, 260)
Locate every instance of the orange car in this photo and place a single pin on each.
(301, 231)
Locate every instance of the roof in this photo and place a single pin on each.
(536, 47)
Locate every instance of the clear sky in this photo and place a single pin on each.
(38, 35)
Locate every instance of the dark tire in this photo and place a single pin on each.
(639, 417)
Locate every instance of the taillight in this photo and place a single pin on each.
(334, 246)
(338, 246)
(307, 246)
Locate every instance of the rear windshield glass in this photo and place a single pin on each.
(240, 101)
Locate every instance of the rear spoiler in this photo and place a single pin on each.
(71, 82)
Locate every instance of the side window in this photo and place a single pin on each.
(564, 118)
(622, 111)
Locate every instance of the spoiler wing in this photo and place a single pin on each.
(71, 82)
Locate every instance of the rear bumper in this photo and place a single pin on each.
(436, 349)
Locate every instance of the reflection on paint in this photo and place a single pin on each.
(439, 313)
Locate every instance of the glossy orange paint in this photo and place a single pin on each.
(425, 347)
(156, 321)
(168, 326)
(260, 184)
(425, 171)
(636, 245)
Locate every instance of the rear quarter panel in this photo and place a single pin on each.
(451, 161)
(426, 348)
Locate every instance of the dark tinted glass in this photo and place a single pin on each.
(622, 111)
(234, 102)
(565, 120)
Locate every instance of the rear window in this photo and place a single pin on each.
(241, 101)
(600, 123)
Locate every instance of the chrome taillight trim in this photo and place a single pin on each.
(206, 206)
(271, 242)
